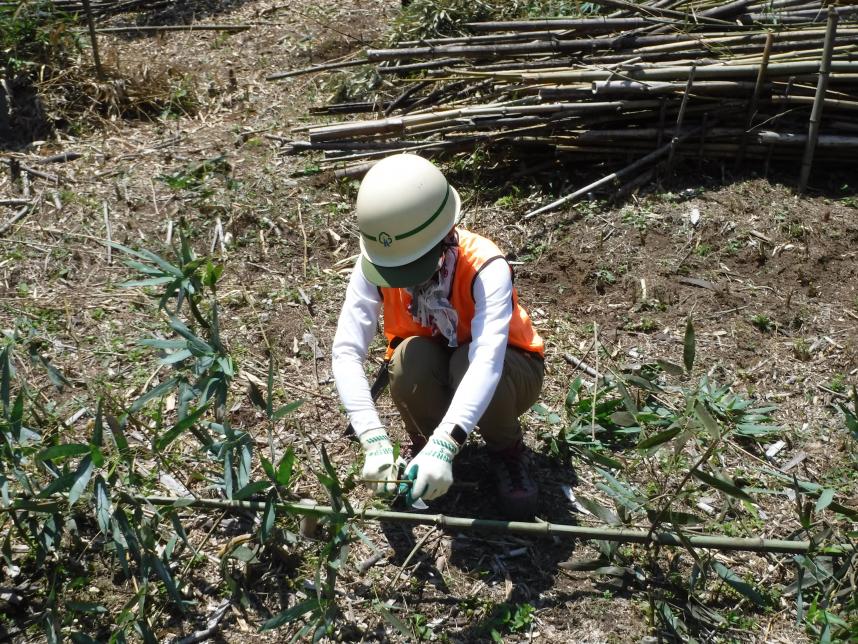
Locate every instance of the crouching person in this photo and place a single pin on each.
(462, 351)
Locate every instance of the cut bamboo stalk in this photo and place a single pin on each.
(614, 176)
(580, 25)
(316, 68)
(621, 535)
(90, 25)
(710, 72)
(158, 28)
(819, 100)
(679, 118)
(755, 98)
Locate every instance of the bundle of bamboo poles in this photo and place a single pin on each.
(748, 79)
(100, 8)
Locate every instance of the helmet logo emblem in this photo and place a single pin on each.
(385, 239)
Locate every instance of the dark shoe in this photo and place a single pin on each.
(517, 490)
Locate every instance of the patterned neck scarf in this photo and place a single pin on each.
(430, 301)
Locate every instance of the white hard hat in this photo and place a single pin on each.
(405, 208)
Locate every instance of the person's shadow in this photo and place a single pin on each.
(524, 565)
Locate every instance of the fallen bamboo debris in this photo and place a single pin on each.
(610, 88)
(18, 216)
(160, 28)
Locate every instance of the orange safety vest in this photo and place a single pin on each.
(475, 252)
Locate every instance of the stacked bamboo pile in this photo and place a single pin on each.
(739, 80)
(99, 8)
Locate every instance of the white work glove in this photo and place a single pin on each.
(379, 470)
(431, 471)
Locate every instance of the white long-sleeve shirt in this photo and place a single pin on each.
(489, 332)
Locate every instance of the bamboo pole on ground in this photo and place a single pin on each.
(819, 101)
(535, 529)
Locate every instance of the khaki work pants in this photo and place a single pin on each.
(424, 374)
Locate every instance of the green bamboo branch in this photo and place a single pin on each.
(622, 535)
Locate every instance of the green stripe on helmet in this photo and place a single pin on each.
(414, 231)
(434, 216)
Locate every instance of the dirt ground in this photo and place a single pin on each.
(769, 278)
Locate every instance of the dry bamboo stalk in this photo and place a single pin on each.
(755, 98)
(679, 118)
(819, 100)
(580, 25)
(316, 68)
(822, 141)
(158, 28)
(652, 156)
(713, 72)
(413, 122)
(90, 25)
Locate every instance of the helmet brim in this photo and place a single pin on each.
(407, 275)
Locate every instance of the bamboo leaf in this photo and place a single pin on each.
(159, 343)
(284, 468)
(671, 368)
(659, 438)
(738, 584)
(286, 409)
(249, 490)
(16, 417)
(81, 479)
(394, 621)
(60, 484)
(824, 499)
(164, 573)
(757, 431)
(186, 423)
(689, 346)
(269, 515)
(628, 401)
(5, 377)
(268, 468)
(194, 343)
(709, 423)
(56, 377)
(674, 623)
(269, 401)
(720, 484)
(58, 452)
(572, 394)
(156, 392)
(152, 281)
(644, 384)
(257, 398)
(103, 509)
(599, 510)
(290, 615)
(97, 438)
(602, 459)
(849, 513)
(166, 266)
(176, 356)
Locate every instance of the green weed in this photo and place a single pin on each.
(762, 322)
